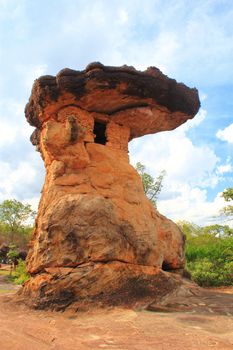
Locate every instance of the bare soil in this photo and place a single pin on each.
(5, 285)
(201, 319)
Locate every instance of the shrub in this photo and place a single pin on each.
(20, 275)
(206, 273)
(210, 260)
(209, 253)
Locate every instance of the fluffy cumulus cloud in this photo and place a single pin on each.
(225, 168)
(21, 168)
(192, 205)
(13, 127)
(21, 181)
(190, 171)
(175, 152)
(226, 134)
(24, 174)
(190, 40)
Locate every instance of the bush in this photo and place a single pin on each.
(206, 273)
(209, 253)
(20, 275)
(210, 260)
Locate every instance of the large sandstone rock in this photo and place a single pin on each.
(96, 233)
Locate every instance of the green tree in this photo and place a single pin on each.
(192, 230)
(218, 230)
(12, 255)
(152, 187)
(14, 216)
(228, 196)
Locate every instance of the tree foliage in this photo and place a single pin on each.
(217, 230)
(13, 253)
(20, 274)
(228, 196)
(15, 219)
(192, 230)
(209, 253)
(152, 187)
(14, 213)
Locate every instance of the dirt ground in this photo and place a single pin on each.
(201, 321)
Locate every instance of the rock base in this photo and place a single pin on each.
(98, 285)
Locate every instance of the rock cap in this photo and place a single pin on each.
(147, 102)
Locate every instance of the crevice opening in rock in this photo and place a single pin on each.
(166, 266)
(99, 131)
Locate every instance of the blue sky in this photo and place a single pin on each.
(189, 41)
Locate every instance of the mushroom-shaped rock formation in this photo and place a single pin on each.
(97, 237)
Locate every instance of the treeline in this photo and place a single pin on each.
(16, 225)
(209, 253)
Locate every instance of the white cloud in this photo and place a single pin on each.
(191, 170)
(33, 201)
(123, 16)
(24, 174)
(196, 121)
(22, 180)
(11, 9)
(226, 134)
(188, 41)
(175, 152)
(192, 205)
(7, 134)
(202, 96)
(34, 73)
(13, 125)
(21, 169)
(225, 168)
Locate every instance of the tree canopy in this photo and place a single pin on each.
(228, 196)
(152, 187)
(15, 217)
(192, 230)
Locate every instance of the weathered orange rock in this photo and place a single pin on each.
(96, 232)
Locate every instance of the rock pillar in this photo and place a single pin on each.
(97, 238)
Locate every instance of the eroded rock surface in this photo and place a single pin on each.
(96, 232)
